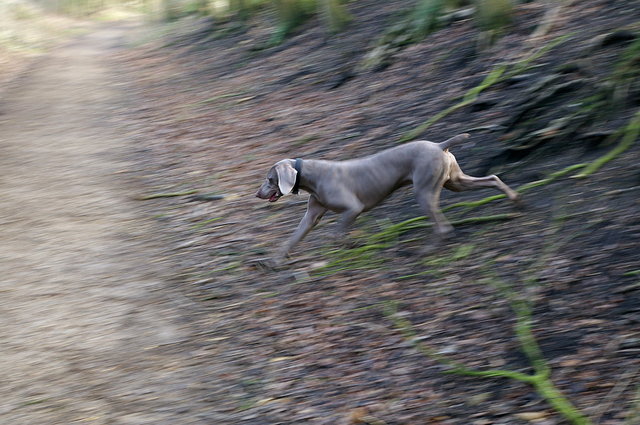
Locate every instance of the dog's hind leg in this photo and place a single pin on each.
(459, 181)
(429, 201)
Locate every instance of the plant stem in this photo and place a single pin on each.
(631, 133)
(497, 74)
(558, 401)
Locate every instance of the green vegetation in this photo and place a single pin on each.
(496, 75)
(26, 29)
(87, 7)
(335, 15)
(626, 75)
(424, 18)
(419, 19)
(631, 133)
(493, 17)
(365, 256)
(540, 379)
(427, 16)
(291, 13)
(622, 87)
(434, 263)
(470, 97)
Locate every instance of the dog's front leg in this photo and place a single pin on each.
(347, 218)
(314, 213)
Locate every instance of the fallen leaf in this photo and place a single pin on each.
(356, 415)
(280, 359)
(531, 416)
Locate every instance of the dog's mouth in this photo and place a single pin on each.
(274, 196)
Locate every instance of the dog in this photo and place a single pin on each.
(355, 186)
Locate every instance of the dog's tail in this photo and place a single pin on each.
(455, 140)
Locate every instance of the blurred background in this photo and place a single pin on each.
(523, 316)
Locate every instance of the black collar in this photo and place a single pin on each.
(298, 168)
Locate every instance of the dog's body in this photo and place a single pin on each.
(354, 186)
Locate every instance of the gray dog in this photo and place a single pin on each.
(352, 187)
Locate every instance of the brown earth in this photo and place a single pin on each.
(312, 344)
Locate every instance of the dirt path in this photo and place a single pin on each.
(90, 331)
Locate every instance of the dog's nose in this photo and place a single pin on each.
(257, 194)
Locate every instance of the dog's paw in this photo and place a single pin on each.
(518, 203)
(267, 264)
(444, 231)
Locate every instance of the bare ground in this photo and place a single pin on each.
(88, 325)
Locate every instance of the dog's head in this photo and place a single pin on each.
(280, 181)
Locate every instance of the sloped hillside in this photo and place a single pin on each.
(331, 339)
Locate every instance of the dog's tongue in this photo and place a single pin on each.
(273, 197)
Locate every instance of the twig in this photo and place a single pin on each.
(165, 195)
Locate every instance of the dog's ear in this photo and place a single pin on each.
(286, 176)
